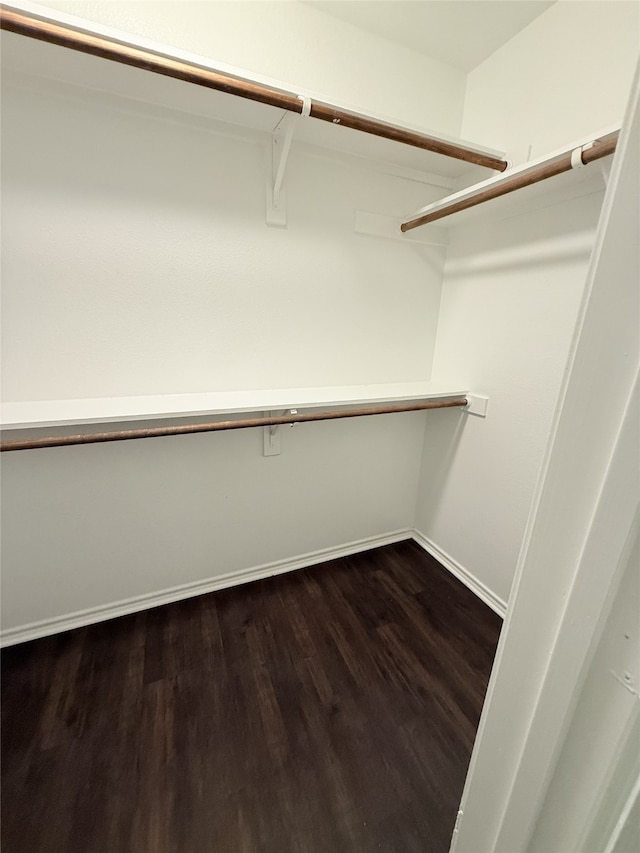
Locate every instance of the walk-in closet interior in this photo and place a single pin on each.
(288, 282)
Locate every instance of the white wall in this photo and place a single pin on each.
(301, 47)
(513, 283)
(565, 75)
(93, 526)
(510, 299)
(136, 260)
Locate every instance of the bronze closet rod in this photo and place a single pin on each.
(248, 423)
(139, 57)
(546, 170)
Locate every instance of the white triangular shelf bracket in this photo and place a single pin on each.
(281, 140)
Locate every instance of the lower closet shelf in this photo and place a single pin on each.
(52, 413)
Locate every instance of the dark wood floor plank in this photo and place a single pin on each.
(331, 710)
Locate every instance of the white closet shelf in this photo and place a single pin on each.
(55, 64)
(52, 413)
(569, 168)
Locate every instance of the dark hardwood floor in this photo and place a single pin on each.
(330, 710)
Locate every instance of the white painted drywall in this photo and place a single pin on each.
(92, 526)
(302, 48)
(565, 75)
(513, 283)
(136, 260)
(509, 303)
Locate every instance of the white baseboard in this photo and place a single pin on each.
(468, 579)
(101, 613)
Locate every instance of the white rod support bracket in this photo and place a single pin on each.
(272, 438)
(477, 405)
(281, 140)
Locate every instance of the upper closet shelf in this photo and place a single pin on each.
(61, 48)
(51, 413)
(568, 161)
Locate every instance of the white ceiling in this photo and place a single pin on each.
(461, 33)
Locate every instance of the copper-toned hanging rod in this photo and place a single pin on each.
(247, 423)
(506, 185)
(140, 57)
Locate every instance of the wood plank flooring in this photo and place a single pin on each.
(330, 710)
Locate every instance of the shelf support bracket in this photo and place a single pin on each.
(272, 437)
(281, 140)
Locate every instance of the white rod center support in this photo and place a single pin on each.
(281, 140)
(280, 148)
(272, 437)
